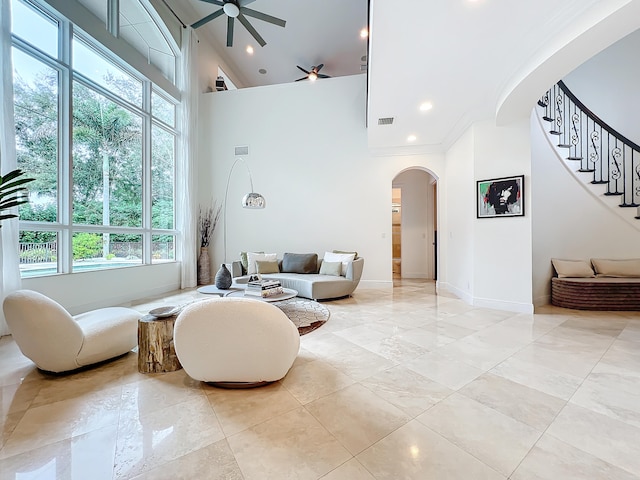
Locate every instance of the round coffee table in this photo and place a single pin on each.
(286, 294)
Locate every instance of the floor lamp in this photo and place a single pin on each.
(251, 200)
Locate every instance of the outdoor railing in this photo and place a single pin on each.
(47, 252)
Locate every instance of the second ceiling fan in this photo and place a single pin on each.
(237, 9)
(313, 74)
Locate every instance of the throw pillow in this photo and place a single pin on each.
(253, 257)
(345, 258)
(355, 254)
(300, 262)
(264, 266)
(244, 261)
(617, 268)
(331, 268)
(572, 268)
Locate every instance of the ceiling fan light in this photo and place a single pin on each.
(313, 76)
(231, 9)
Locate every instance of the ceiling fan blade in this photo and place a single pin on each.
(263, 16)
(319, 67)
(215, 2)
(242, 3)
(303, 78)
(305, 71)
(229, 31)
(207, 19)
(322, 75)
(251, 30)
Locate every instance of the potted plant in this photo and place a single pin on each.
(12, 192)
(207, 221)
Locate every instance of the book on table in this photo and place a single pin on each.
(263, 288)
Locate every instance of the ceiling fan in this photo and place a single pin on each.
(313, 74)
(236, 9)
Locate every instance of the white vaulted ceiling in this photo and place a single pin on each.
(470, 59)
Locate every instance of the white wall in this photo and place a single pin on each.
(608, 85)
(309, 158)
(417, 223)
(569, 222)
(502, 247)
(487, 262)
(456, 219)
(84, 291)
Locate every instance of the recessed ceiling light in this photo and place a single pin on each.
(411, 138)
(426, 106)
(364, 33)
(250, 50)
(262, 71)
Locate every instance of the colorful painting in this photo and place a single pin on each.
(501, 197)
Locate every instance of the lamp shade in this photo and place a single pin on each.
(253, 200)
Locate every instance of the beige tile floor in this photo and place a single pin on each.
(398, 384)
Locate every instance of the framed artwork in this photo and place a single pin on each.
(500, 197)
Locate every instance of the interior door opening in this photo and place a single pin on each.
(396, 232)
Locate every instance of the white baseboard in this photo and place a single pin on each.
(485, 302)
(503, 305)
(461, 294)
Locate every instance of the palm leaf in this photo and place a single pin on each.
(12, 190)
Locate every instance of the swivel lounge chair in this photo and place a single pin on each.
(58, 342)
(235, 342)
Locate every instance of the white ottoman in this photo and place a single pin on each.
(235, 342)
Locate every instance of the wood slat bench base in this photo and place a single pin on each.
(601, 293)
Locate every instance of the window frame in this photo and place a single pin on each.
(64, 226)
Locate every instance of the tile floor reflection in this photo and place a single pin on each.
(401, 384)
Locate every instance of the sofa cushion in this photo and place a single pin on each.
(355, 254)
(572, 268)
(244, 261)
(300, 263)
(345, 258)
(331, 268)
(264, 266)
(616, 268)
(253, 257)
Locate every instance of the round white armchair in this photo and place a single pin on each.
(235, 342)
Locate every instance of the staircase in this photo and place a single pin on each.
(599, 156)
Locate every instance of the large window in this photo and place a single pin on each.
(100, 140)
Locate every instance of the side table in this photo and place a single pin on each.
(213, 290)
(156, 353)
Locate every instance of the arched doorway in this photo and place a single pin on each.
(414, 225)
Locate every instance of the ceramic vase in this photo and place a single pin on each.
(223, 278)
(204, 267)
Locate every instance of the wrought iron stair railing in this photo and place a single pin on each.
(613, 159)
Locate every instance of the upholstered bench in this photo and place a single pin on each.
(609, 285)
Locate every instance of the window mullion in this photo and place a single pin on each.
(65, 162)
(146, 173)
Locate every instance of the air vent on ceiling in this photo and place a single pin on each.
(385, 121)
(242, 151)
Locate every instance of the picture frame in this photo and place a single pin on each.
(500, 197)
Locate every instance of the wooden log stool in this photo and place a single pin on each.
(156, 353)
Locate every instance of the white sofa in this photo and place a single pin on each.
(314, 285)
